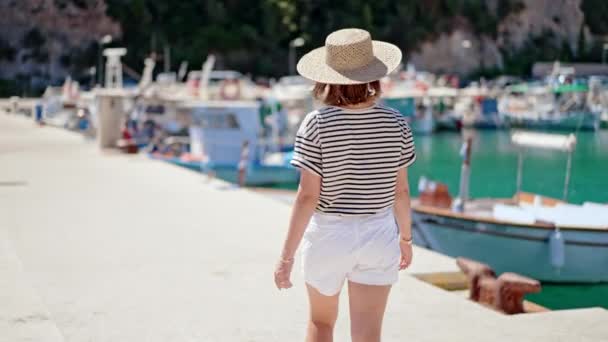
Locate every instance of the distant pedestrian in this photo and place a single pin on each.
(242, 167)
(352, 210)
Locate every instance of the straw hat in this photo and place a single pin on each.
(350, 56)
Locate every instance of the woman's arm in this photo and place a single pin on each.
(403, 217)
(303, 208)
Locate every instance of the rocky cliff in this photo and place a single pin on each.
(42, 41)
(463, 50)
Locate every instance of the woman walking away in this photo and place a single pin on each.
(352, 210)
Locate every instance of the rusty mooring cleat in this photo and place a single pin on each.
(487, 291)
(511, 291)
(506, 294)
(475, 271)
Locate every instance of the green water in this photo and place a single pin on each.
(494, 172)
(494, 166)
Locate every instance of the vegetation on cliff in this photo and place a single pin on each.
(254, 36)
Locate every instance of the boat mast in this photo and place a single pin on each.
(567, 178)
(205, 74)
(520, 167)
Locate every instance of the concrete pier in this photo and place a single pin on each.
(104, 247)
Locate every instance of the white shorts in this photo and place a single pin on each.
(362, 249)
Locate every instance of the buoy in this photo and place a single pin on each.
(557, 247)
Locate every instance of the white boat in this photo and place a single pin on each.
(478, 107)
(548, 107)
(293, 96)
(219, 132)
(546, 239)
(415, 106)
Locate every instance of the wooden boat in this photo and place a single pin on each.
(542, 238)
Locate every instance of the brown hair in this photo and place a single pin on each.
(346, 95)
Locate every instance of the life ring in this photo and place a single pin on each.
(230, 89)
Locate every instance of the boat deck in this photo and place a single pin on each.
(107, 247)
(481, 210)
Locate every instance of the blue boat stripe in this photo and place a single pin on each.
(510, 235)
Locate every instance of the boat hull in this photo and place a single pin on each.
(449, 123)
(574, 121)
(490, 122)
(420, 124)
(423, 125)
(513, 248)
(257, 175)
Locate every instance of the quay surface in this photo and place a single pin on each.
(97, 246)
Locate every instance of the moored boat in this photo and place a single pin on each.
(513, 246)
(570, 121)
(547, 107)
(543, 238)
(442, 103)
(478, 107)
(415, 107)
(220, 132)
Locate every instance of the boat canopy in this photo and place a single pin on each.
(399, 92)
(442, 92)
(536, 88)
(571, 88)
(565, 143)
(474, 91)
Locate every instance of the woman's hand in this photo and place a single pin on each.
(406, 255)
(282, 274)
(303, 209)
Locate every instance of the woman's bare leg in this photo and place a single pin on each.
(367, 304)
(323, 315)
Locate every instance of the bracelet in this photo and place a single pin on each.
(287, 261)
(407, 241)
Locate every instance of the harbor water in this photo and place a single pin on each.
(494, 172)
(494, 166)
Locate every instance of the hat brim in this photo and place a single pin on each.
(313, 66)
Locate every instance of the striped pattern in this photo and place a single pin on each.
(357, 154)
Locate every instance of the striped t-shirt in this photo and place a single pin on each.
(357, 153)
